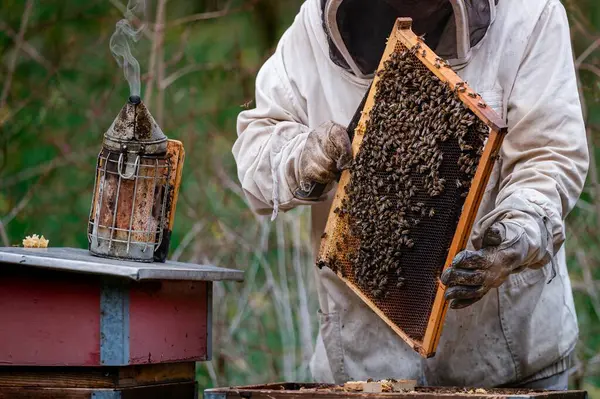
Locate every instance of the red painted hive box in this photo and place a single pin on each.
(64, 307)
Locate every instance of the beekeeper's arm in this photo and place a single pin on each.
(276, 152)
(544, 164)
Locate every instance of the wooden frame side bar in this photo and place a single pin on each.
(461, 237)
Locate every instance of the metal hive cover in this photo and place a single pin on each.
(423, 152)
(77, 260)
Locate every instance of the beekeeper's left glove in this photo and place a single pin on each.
(473, 273)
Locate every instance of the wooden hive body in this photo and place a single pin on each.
(396, 310)
(330, 391)
(73, 325)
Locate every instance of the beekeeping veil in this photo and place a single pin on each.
(357, 29)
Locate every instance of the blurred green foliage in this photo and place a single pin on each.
(60, 89)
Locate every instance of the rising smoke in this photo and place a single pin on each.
(122, 40)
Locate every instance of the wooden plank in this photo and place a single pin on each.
(43, 393)
(402, 34)
(261, 394)
(58, 377)
(156, 374)
(185, 390)
(336, 395)
(97, 377)
(325, 391)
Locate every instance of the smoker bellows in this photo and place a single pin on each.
(137, 181)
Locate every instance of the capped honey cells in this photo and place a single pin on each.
(420, 150)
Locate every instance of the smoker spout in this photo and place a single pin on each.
(134, 130)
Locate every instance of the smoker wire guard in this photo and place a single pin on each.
(403, 36)
(174, 159)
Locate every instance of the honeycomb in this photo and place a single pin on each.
(403, 283)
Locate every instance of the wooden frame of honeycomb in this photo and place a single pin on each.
(331, 244)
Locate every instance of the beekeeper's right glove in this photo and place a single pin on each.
(326, 153)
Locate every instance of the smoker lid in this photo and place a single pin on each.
(80, 261)
(134, 130)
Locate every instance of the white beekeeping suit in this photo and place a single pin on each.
(518, 57)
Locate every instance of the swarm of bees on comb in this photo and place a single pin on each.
(399, 167)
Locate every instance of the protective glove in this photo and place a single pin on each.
(473, 273)
(326, 153)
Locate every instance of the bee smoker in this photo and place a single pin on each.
(138, 173)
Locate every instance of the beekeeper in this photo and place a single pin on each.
(513, 320)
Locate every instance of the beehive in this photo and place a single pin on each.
(423, 152)
(328, 391)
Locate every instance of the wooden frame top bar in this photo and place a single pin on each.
(473, 100)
